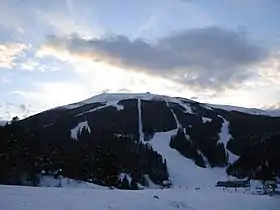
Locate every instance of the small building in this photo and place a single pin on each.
(167, 183)
(233, 183)
(270, 186)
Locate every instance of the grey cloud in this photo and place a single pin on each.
(23, 108)
(201, 58)
(194, 98)
(123, 90)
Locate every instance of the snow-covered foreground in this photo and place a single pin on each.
(36, 198)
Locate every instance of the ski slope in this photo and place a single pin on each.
(184, 172)
(140, 124)
(224, 137)
(36, 198)
(74, 133)
(174, 115)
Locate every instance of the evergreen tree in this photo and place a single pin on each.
(125, 183)
(134, 185)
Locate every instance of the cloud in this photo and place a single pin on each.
(36, 64)
(209, 57)
(19, 56)
(9, 110)
(29, 65)
(63, 23)
(23, 107)
(10, 52)
(269, 69)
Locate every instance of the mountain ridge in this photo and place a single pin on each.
(113, 97)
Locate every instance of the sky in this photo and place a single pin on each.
(57, 52)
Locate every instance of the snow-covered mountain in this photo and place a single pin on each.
(189, 143)
(253, 111)
(112, 99)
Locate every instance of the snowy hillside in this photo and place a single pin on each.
(112, 99)
(253, 111)
(23, 198)
(184, 172)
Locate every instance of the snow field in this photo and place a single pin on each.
(36, 198)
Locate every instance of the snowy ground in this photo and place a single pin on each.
(36, 198)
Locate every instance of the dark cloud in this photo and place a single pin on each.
(205, 58)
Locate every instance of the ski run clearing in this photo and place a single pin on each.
(78, 129)
(184, 172)
(37, 198)
(224, 138)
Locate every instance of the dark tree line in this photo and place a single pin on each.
(156, 117)
(18, 155)
(203, 138)
(98, 157)
(260, 161)
(256, 140)
(186, 147)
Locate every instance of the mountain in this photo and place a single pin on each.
(139, 140)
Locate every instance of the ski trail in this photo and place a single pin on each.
(224, 138)
(140, 124)
(183, 171)
(174, 115)
(205, 160)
